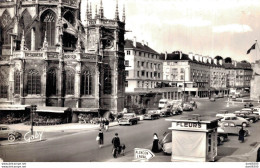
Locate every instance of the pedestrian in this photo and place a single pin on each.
(101, 138)
(106, 124)
(155, 147)
(101, 124)
(258, 155)
(116, 145)
(241, 135)
(250, 104)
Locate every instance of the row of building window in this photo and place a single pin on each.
(140, 53)
(34, 83)
(146, 65)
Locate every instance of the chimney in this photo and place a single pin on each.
(215, 61)
(134, 42)
(204, 59)
(143, 42)
(191, 56)
(180, 54)
(221, 62)
(165, 57)
(197, 57)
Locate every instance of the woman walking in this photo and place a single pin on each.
(241, 135)
(155, 147)
(101, 138)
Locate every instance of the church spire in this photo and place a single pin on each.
(90, 11)
(117, 13)
(96, 15)
(87, 13)
(123, 17)
(101, 10)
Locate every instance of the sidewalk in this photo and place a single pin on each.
(51, 131)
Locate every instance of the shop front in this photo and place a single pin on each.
(194, 139)
(11, 114)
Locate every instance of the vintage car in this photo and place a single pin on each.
(7, 133)
(165, 143)
(245, 115)
(128, 119)
(178, 108)
(151, 115)
(165, 112)
(187, 107)
(194, 104)
(256, 111)
(250, 112)
(230, 127)
(237, 120)
(223, 113)
(212, 99)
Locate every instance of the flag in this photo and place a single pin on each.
(252, 48)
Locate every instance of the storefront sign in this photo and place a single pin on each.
(188, 125)
(36, 136)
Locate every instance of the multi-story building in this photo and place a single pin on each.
(197, 75)
(49, 58)
(143, 66)
(254, 88)
(239, 74)
(144, 76)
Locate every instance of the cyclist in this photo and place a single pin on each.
(116, 145)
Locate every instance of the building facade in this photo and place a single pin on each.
(50, 58)
(198, 76)
(239, 74)
(143, 66)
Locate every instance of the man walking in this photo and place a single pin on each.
(116, 144)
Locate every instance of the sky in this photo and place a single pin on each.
(227, 28)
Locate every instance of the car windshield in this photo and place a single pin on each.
(128, 116)
(4, 128)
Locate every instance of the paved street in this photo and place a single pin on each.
(82, 147)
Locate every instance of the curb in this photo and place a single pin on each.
(22, 142)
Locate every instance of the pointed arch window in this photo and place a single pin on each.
(5, 19)
(69, 82)
(3, 87)
(17, 82)
(51, 82)
(34, 82)
(107, 80)
(48, 20)
(86, 83)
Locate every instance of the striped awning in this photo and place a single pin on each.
(49, 109)
(13, 107)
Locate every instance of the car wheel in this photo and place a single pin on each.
(11, 138)
(131, 123)
(251, 121)
(244, 124)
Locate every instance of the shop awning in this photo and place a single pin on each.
(13, 107)
(85, 110)
(52, 109)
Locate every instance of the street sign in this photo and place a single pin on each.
(143, 154)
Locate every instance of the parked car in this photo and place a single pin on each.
(165, 143)
(237, 120)
(187, 107)
(250, 111)
(251, 118)
(230, 127)
(223, 113)
(178, 108)
(165, 112)
(128, 119)
(212, 99)
(194, 104)
(151, 115)
(256, 111)
(7, 133)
